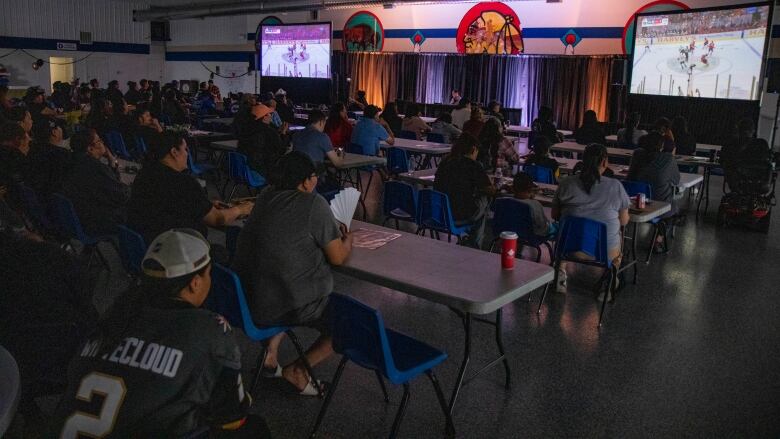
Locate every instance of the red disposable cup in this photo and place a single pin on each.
(508, 250)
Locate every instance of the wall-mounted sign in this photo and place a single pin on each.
(66, 46)
(363, 32)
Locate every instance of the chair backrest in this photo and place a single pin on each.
(397, 160)
(140, 146)
(227, 298)
(35, 211)
(638, 187)
(512, 215)
(132, 249)
(354, 148)
(435, 137)
(399, 195)
(67, 220)
(585, 235)
(540, 174)
(117, 144)
(404, 134)
(237, 164)
(434, 210)
(359, 333)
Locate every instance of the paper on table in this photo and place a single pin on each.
(344, 204)
(372, 239)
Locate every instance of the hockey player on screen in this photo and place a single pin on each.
(683, 61)
(704, 59)
(706, 43)
(711, 48)
(692, 47)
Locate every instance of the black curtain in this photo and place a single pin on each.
(710, 120)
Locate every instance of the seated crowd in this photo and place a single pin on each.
(284, 254)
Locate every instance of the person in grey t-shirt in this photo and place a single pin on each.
(590, 195)
(283, 258)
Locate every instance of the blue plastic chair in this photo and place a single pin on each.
(400, 202)
(584, 235)
(511, 215)
(434, 214)
(198, 169)
(140, 147)
(132, 249)
(360, 336)
(34, 210)
(70, 226)
(404, 134)
(241, 174)
(659, 227)
(117, 144)
(540, 174)
(435, 137)
(227, 298)
(397, 161)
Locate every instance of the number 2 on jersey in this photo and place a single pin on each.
(113, 391)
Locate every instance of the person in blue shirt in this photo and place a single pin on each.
(313, 142)
(369, 132)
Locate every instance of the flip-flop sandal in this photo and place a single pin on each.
(270, 372)
(311, 389)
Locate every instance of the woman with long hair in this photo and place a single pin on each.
(590, 131)
(495, 150)
(413, 122)
(683, 139)
(629, 136)
(390, 115)
(337, 126)
(592, 195)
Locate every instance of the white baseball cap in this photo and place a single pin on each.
(175, 253)
(280, 92)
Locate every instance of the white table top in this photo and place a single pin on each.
(419, 146)
(221, 120)
(699, 146)
(526, 130)
(10, 389)
(425, 119)
(359, 160)
(225, 145)
(463, 278)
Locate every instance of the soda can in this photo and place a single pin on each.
(640, 201)
(508, 250)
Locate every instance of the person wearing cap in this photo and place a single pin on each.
(165, 196)
(257, 139)
(162, 365)
(524, 189)
(35, 101)
(284, 106)
(313, 142)
(284, 257)
(369, 132)
(49, 160)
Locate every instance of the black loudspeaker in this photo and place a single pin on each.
(160, 30)
(619, 71)
(773, 75)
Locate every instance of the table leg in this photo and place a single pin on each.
(704, 190)
(633, 250)
(466, 356)
(500, 344)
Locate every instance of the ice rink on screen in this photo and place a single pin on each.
(316, 63)
(735, 66)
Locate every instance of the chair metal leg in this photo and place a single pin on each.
(232, 192)
(450, 427)
(466, 357)
(656, 230)
(633, 252)
(500, 344)
(556, 267)
(306, 364)
(399, 416)
(382, 385)
(260, 364)
(607, 293)
(329, 396)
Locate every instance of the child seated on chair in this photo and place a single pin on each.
(525, 189)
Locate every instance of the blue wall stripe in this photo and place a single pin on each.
(51, 44)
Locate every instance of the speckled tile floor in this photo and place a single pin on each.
(691, 351)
